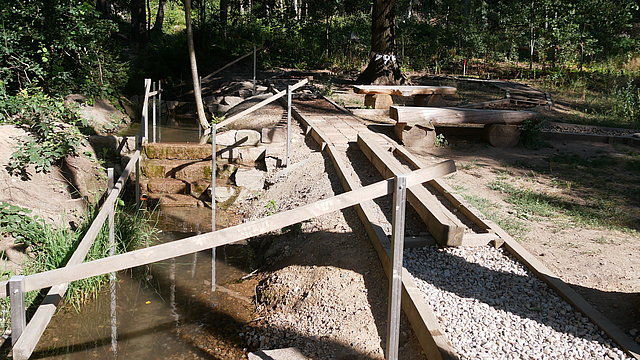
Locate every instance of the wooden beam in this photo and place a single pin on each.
(426, 327)
(228, 235)
(441, 116)
(445, 227)
(484, 104)
(403, 90)
(260, 104)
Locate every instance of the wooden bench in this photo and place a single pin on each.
(415, 126)
(379, 96)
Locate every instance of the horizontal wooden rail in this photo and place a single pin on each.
(229, 235)
(260, 104)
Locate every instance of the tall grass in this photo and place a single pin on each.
(52, 247)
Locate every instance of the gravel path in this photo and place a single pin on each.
(492, 307)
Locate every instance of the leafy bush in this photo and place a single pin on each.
(52, 127)
(627, 103)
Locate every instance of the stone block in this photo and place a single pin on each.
(199, 187)
(166, 186)
(251, 179)
(177, 151)
(251, 154)
(276, 134)
(247, 137)
(224, 193)
(226, 138)
(177, 200)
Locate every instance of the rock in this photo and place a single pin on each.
(115, 144)
(199, 187)
(251, 154)
(223, 108)
(103, 117)
(247, 137)
(276, 134)
(224, 193)
(226, 138)
(236, 88)
(636, 135)
(251, 179)
(232, 100)
(277, 354)
(272, 163)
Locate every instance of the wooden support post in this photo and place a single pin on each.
(145, 109)
(213, 203)
(395, 280)
(18, 309)
(288, 125)
(153, 112)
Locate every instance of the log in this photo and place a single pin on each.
(450, 115)
(502, 136)
(404, 90)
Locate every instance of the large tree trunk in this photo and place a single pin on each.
(157, 26)
(383, 66)
(138, 21)
(104, 7)
(202, 119)
(224, 16)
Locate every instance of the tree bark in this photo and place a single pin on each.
(104, 7)
(202, 119)
(157, 26)
(224, 16)
(138, 21)
(383, 66)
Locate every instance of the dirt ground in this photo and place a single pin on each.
(323, 290)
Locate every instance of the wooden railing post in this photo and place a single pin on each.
(18, 309)
(395, 280)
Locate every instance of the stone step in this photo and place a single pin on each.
(187, 170)
(175, 200)
(177, 151)
(165, 186)
(185, 151)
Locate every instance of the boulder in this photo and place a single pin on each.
(248, 137)
(232, 100)
(224, 193)
(226, 138)
(251, 179)
(276, 134)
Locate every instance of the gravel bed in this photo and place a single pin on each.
(492, 307)
(588, 129)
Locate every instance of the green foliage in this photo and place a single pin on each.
(531, 135)
(441, 141)
(18, 222)
(53, 133)
(61, 46)
(627, 104)
(271, 207)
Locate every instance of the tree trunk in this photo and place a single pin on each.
(202, 119)
(138, 21)
(157, 26)
(383, 66)
(224, 16)
(104, 7)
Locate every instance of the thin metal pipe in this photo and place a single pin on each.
(153, 112)
(395, 280)
(18, 309)
(160, 109)
(254, 69)
(288, 125)
(213, 203)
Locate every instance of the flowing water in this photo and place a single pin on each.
(165, 310)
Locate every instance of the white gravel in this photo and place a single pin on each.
(492, 307)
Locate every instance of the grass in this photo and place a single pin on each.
(52, 248)
(514, 227)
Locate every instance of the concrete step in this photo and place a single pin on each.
(174, 200)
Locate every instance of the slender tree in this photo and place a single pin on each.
(383, 66)
(157, 25)
(202, 119)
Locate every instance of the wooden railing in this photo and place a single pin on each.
(16, 287)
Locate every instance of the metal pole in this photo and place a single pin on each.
(288, 125)
(213, 203)
(112, 276)
(254, 70)
(395, 280)
(153, 111)
(145, 112)
(160, 109)
(138, 184)
(18, 309)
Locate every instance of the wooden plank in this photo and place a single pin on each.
(260, 104)
(426, 327)
(441, 116)
(403, 90)
(482, 105)
(566, 292)
(445, 227)
(228, 235)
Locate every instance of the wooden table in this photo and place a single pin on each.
(379, 96)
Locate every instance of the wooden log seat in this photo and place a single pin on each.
(379, 96)
(415, 126)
